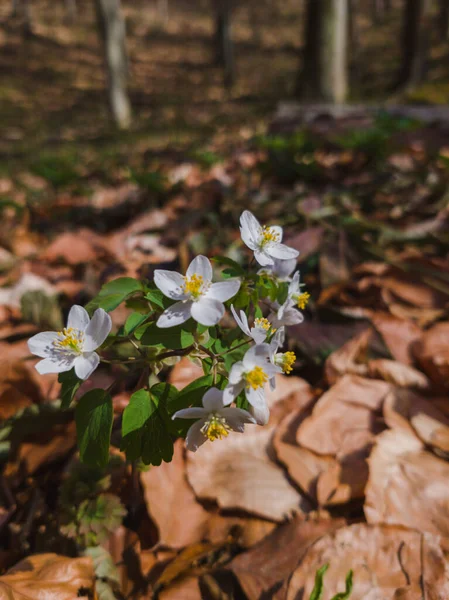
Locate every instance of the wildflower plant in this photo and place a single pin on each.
(231, 320)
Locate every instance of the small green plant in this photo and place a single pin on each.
(318, 588)
(59, 169)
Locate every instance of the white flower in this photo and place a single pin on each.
(216, 419)
(283, 360)
(260, 329)
(264, 241)
(281, 270)
(252, 374)
(74, 346)
(197, 296)
(288, 313)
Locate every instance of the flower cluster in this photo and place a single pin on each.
(263, 302)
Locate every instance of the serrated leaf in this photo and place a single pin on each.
(318, 588)
(94, 415)
(69, 386)
(114, 293)
(348, 591)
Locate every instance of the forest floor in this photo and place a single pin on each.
(352, 468)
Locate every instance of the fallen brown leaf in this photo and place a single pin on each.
(432, 353)
(397, 373)
(407, 485)
(262, 570)
(385, 561)
(399, 335)
(45, 576)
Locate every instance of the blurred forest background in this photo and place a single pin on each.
(132, 135)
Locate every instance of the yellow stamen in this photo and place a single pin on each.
(302, 300)
(288, 360)
(262, 323)
(70, 339)
(256, 378)
(268, 235)
(216, 428)
(193, 285)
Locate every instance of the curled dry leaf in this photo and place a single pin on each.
(407, 410)
(385, 561)
(344, 418)
(397, 373)
(350, 358)
(81, 247)
(45, 576)
(432, 353)
(398, 334)
(253, 483)
(407, 485)
(264, 568)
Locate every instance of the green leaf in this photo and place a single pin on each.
(225, 260)
(156, 297)
(318, 588)
(145, 426)
(70, 384)
(348, 591)
(133, 322)
(114, 293)
(171, 338)
(94, 415)
(192, 394)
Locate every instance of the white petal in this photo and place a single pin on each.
(190, 413)
(223, 290)
(258, 334)
(277, 229)
(175, 315)
(262, 258)
(170, 283)
(200, 266)
(78, 318)
(257, 356)
(292, 316)
(231, 392)
(281, 251)
(86, 364)
(241, 321)
(293, 287)
(97, 330)
(236, 418)
(260, 413)
(256, 397)
(195, 438)
(236, 372)
(250, 229)
(51, 366)
(278, 339)
(207, 312)
(283, 268)
(41, 344)
(273, 384)
(213, 400)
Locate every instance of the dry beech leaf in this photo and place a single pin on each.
(251, 482)
(187, 588)
(262, 569)
(166, 489)
(397, 373)
(399, 335)
(124, 547)
(385, 561)
(407, 410)
(45, 576)
(432, 353)
(81, 247)
(407, 485)
(344, 418)
(350, 358)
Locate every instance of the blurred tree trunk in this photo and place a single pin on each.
(21, 8)
(443, 20)
(324, 76)
(112, 30)
(416, 29)
(71, 10)
(353, 32)
(224, 49)
(379, 9)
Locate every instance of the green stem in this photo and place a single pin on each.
(234, 348)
